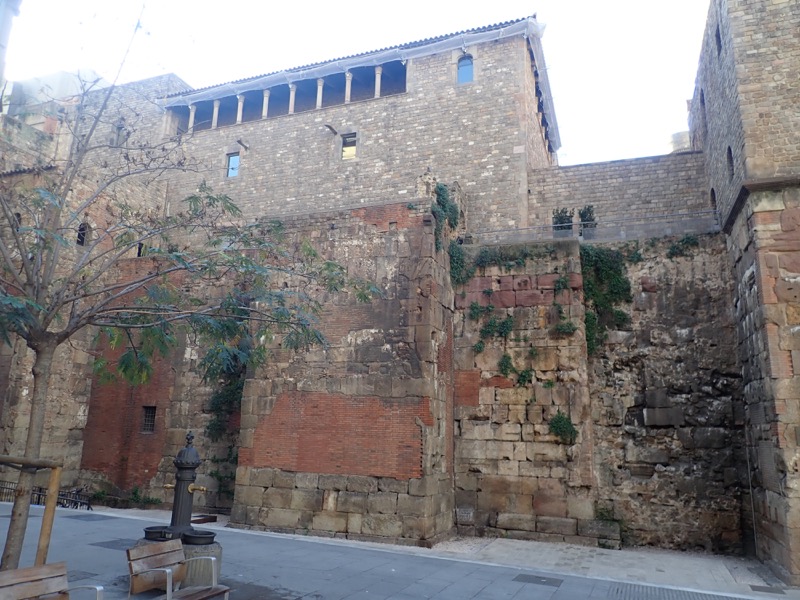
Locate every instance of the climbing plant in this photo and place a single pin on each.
(444, 209)
(605, 286)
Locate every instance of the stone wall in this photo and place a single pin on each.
(514, 476)
(476, 134)
(355, 439)
(765, 246)
(667, 404)
(744, 118)
(634, 189)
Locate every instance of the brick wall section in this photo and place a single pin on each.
(363, 424)
(341, 435)
(115, 444)
(622, 189)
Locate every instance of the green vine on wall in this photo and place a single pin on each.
(444, 209)
(605, 285)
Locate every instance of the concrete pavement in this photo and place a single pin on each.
(266, 566)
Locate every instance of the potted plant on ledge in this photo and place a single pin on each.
(588, 223)
(562, 222)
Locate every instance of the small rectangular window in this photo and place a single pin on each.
(148, 419)
(348, 145)
(233, 164)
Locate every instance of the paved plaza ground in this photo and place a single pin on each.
(266, 566)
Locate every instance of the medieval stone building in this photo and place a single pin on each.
(516, 377)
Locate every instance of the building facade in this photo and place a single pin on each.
(493, 388)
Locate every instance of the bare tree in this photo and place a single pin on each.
(69, 223)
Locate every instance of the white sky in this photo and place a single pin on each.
(620, 70)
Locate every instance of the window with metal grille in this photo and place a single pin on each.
(148, 419)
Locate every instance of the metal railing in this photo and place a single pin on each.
(609, 230)
(74, 498)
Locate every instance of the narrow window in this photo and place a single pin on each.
(140, 250)
(348, 145)
(465, 71)
(718, 40)
(148, 419)
(233, 164)
(17, 221)
(83, 234)
(120, 135)
(713, 197)
(730, 163)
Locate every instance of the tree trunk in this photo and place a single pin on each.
(42, 366)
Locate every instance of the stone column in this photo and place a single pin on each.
(348, 84)
(240, 108)
(378, 72)
(192, 111)
(265, 105)
(215, 117)
(320, 83)
(292, 94)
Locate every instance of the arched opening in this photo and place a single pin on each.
(713, 198)
(465, 69)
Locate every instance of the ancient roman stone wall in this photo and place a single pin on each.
(514, 476)
(355, 440)
(667, 404)
(620, 190)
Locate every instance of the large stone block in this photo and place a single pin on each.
(352, 502)
(386, 484)
(663, 417)
(278, 498)
(516, 521)
(357, 483)
(283, 479)
(332, 482)
(262, 476)
(249, 495)
(283, 517)
(599, 529)
(307, 481)
(417, 506)
(382, 503)
(382, 525)
(330, 521)
(561, 526)
(310, 500)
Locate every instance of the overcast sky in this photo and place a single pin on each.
(621, 71)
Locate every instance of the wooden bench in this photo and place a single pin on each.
(47, 580)
(162, 565)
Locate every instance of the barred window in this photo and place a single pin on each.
(148, 419)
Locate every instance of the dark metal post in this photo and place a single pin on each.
(180, 525)
(186, 464)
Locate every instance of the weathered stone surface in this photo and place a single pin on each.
(362, 484)
(348, 502)
(382, 502)
(330, 521)
(599, 529)
(515, 521)
(561, 526)
(382, 525)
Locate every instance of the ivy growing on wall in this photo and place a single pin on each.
(605, 286)
(444, 209)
